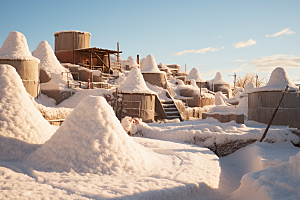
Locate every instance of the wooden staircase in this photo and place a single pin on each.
(170, 109)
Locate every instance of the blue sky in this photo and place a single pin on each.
(203, 34)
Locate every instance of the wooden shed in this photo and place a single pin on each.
(262, 101)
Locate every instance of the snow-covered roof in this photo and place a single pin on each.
(71, 31)
(15, 47)
(135, 83)
(279, 79)
(19, 118)
(90, 145)
(194, 74)
(150, 66)
(219, 79)
(248, 87)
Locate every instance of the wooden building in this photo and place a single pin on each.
(74, 47)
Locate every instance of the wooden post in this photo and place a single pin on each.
(118, 55)
(274, 113)
(256, 77)
(200, 94)
(91, 59)
(116, 101)
(138, 59)
(74, 48)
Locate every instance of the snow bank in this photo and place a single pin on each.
(150, 66)
(135, 83)
(80, 94)
(15, 47)
(277, 182)
(248, 88)
(21, 124)
(50, 64)
(277, 82)
(210, 132)
(97, 144)
(219, 79)
(220, 94)
(194, 74)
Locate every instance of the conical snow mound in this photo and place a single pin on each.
(248, 87)
(18, 117)
(150, 66)
(48, 60)
(91, 140)
(15, 47)
(130, 58)
(50, 64)
(219, 101)
(219, 79)
(194, 74)
(279, 79)
(135, 83)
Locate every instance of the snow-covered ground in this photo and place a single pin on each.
(90, 156)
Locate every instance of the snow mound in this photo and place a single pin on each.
(130, 58)
(135, 83)
(48, 59)
(150, 66)
(194, 74)
(98, 144)
(243, 103)
(15, 47)
(248, 87)
(278, 182)
(220, 94)
(219, 101)
(50, 64)
(219, 79)
(237, 95)
(278, 81)
(18, 117)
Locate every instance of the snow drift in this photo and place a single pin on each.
(98, 144)
(194, 74)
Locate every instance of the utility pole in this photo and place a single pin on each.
(118, 55)
(256, 77)
(234, 80)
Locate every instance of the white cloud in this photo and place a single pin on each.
(204, 50)
(270, 62)
(286, 31)
(238, 69)
(244, 44)
(240, 60)
(219, 36)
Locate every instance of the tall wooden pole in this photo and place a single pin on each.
(74, 48)
(118, 55)
(138, 59)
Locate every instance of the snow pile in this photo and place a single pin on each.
(162, 66)
(219, 79)
(21, 124)
(15, 47)
(279, 79)
(51, 113)
(237, 95)
(220, 94)
(248, 87)
(243, 103)
(219, 101)
(194, 74)
(162, 93)
(50, 64)
(98, 144)
(135, 83)
(80, 94)
(150, 66)
(278, 182)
